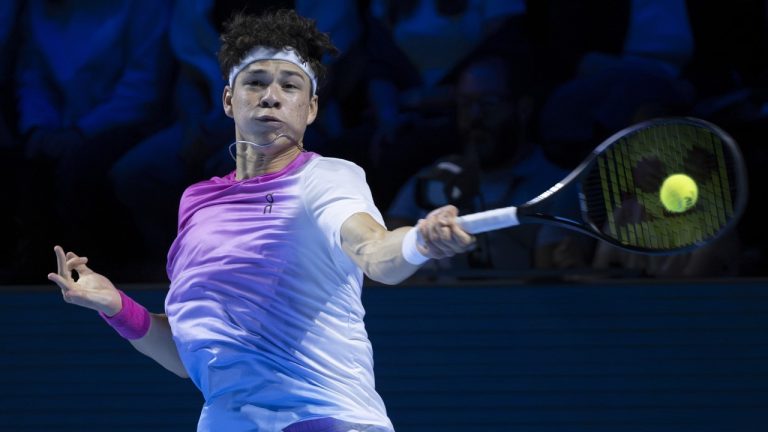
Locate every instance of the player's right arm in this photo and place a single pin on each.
(380, 253)
(94, 291)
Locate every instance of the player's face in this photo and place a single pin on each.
(269, 98)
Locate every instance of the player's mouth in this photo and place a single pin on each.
(268, 119)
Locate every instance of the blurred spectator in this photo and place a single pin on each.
(150, 178)
(611, 90)
(341, 122)
(664, 51)
(91, 80)
(718, 259)
(8, 42)
(414, 45)
(730, 71)
(499, 166)
(8, 35)
(730, 49)
(420, 27)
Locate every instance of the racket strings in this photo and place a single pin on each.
(621, 193)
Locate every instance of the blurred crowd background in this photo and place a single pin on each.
(109, 109)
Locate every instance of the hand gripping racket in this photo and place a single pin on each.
(619, 185)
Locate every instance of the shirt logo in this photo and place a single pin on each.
(270, 200)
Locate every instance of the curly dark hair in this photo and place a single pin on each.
(274, 29)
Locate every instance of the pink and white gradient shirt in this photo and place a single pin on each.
(264, 305)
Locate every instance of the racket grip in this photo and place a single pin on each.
(490, 220)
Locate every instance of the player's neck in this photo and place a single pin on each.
(265, 163)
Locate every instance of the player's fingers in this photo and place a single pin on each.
(453, 240)
(72, 255)
(61, 281)
(442, 232)
(61, 261)
(74, 262)
(81, 268)
(463, 240)
(445, 212)
(433, 232)
(78, 264)
(439, 240)
(450, 211)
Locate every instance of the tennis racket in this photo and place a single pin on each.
(618, 188)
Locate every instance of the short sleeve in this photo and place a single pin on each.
(333, 190)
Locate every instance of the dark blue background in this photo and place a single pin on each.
(598, 357)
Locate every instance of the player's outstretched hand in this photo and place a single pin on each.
(441, 236)
(90, 290)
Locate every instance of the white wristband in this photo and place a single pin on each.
(410, 252)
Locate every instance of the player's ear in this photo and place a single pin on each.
(226, 100)
(312, 109)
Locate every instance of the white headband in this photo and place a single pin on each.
(266, 53)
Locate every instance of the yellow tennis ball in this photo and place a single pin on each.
(678, 193)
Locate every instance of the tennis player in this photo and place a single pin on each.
(264, 310)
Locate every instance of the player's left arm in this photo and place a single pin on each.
(379, 252)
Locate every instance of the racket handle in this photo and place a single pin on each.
(490, 220)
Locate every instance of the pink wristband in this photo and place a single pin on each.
(132, 322)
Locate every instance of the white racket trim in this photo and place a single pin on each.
(490, 220)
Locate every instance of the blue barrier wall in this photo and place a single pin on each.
(547, 357)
